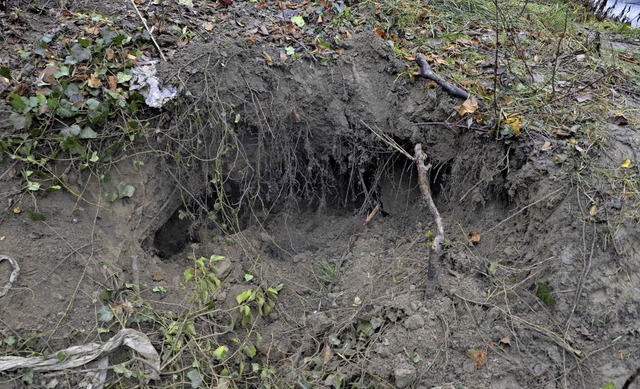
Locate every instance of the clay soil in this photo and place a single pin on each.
(329, 210)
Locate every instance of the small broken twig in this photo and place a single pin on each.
(436, 247)
(453, 90)
(144, 22)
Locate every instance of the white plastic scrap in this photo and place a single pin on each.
(12, 277)
(79, 355)
(145, 80)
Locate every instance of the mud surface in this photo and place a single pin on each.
(332, 212)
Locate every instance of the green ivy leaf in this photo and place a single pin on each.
(298, 20)
(196, 379)
(63, 71)
(220, 352)
(125, 190)
(244, 296)
(19, 103)
(105, 314)
(88, 133)
(28, 377)
(20, 122)
(94, 157)
(5, 72)
(124, 77)
(33, 186)
(71, 131)
(189, 275)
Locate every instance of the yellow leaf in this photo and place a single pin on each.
(469, 106)
(626, 164)
(514, 120)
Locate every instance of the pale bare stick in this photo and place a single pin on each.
(436, 246)
(144, 22)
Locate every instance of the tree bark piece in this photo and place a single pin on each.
(435, 253)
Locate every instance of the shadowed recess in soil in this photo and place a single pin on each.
(255, 139)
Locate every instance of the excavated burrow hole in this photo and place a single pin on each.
(388, 181)
(310, 138)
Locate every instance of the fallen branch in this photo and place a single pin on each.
(436, 246)
(144, 22)
(12, 277)
(453, 90)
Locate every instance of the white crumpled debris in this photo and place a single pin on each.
(145, 80)
(76, 356)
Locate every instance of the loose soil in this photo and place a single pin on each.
(305, 167)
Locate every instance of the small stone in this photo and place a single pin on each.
(404, 375)
(539, 369)
(414, 322)
(468, 366)
(224, 268)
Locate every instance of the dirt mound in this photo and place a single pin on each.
(280, 168)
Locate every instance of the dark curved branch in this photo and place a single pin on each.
(453, 90)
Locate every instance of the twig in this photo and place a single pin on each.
(388, 140)
(436, 247)
(453, 90)
(144, 22)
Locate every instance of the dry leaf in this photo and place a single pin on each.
(17, 210)
(296, 114)
(438, 60)
(546, 146)
(94, 81)
(208, 26)
(157, 277)
(326, 354)
(469, 106)
(112, 82)
(619, 119)
(95, 30)
(479, 358)
(109, 54)
(268, 58)
(626, 164)
(380, 32)
(48, 74)
(593, 210)
(506, 341)
(474, 238)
